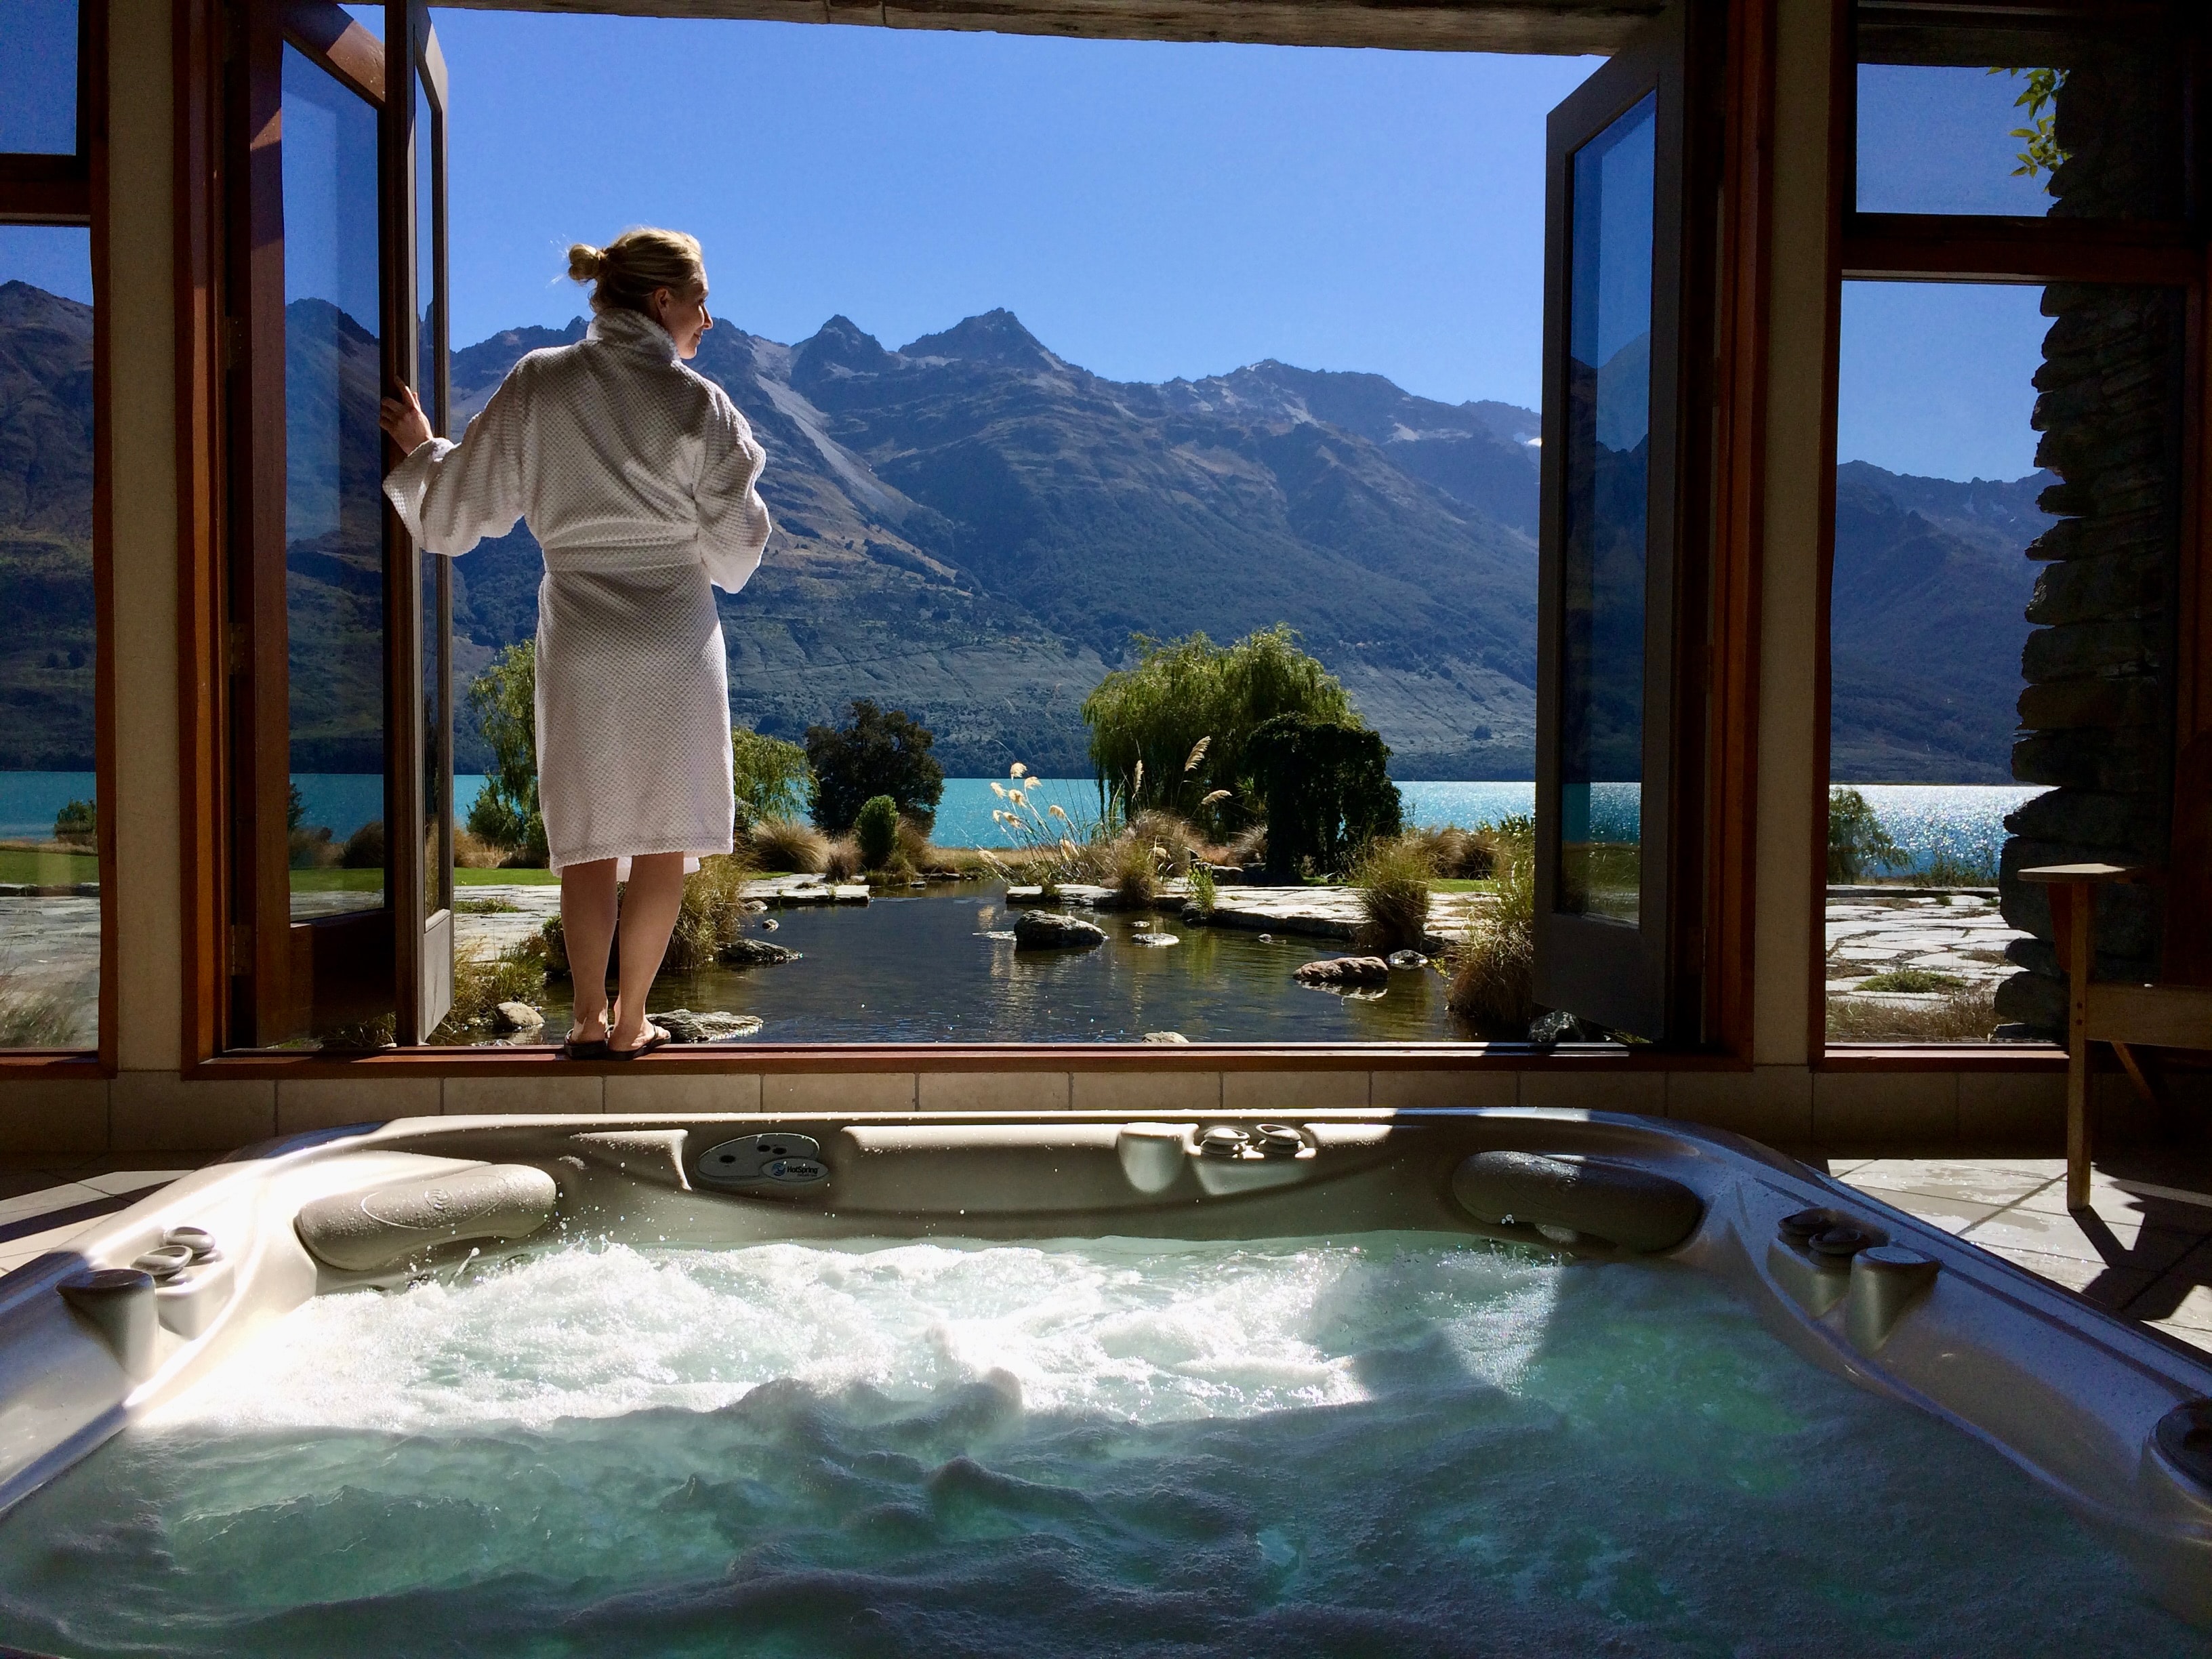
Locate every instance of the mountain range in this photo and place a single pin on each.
(972, 528)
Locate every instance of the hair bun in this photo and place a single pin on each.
(585, 262)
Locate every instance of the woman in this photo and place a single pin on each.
(638, 477)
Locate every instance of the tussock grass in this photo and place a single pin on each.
(1493, 972)
(1391, 879)
(1967, 1015)
(1457, 854)
(1204, 895)
(32, 1017)
(712, 911)
(473, 851)
(1132, 870)
(840, 861)
(786, 844)
(481, 980)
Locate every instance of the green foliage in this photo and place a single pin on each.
(1204, 894)
(484, 980)
(1174, 731)
(364, 849)
(295, 809)
(772, 777)
(1856, 841)
(504, 698)
(1976, 869)
(77, 824)
(1326, 789)
(1911, 979)
(876, 753)
(876, 829)
(2040, 134)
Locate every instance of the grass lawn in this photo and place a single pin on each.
(29, 867)
(367, 881)
(505, 879)
(1455, 884)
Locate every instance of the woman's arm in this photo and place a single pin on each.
(733, 521)
(451, 495)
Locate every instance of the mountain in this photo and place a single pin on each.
(971, 527)
(46, 532)
(1928, 617)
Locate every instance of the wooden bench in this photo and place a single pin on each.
(2127, 1016)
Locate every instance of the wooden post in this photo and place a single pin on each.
(2080, 897)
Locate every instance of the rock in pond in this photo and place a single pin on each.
(684, 1026)
(1344, 970)
(1165, 1036)
(755, 953)
(1148, 937)
(516, 1017)
(1050, 930)
(1409, 959)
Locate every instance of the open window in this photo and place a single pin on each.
(1617, 556)
(341, 826)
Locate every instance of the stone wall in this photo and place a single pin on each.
(2096, 714)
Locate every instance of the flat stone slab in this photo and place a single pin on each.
(1965, 937)
(1310, 912)
(806, 890)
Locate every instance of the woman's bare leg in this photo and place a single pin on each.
(650, 902)
(587, 927)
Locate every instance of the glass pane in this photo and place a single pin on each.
(1999, 644)
(2018, 121)
(49, 866)
(38, 77)
(437, 760)
(1608, 429)
(333, 518)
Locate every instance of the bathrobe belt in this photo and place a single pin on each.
(614, 561)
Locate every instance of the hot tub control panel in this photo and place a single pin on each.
(770, 1163)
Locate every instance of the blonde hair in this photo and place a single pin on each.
(625, 273)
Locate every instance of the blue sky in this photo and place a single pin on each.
(1149, 210)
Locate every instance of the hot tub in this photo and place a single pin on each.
(1442, 1382)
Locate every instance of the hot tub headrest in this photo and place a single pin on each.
(1617, 1202)
(386, 1226)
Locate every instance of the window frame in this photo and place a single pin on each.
(1978, 248)
(1719, 704)
(65, 190)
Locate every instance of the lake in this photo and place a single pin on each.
(1954, 820)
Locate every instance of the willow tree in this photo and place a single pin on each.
(1171, 730)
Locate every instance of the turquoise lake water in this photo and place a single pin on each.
(1957, 821)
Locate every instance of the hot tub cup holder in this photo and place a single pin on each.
(772, 1163)
(1812, 1253)
(2180, 1448)
(118, 1303)
(165, 1262)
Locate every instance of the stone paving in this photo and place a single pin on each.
(1331, 913)
(1958, 933)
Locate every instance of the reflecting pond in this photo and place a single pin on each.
(941, 967)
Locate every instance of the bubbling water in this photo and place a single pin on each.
(1397, 1444)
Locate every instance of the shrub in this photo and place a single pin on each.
(1172, 730)
(504, 698)
(1494, 970)
(1177, 842)
(1327, 791)
(1457, 854)
(1976, 869)
(914, 851)
(1204, 895)
(1856, 841)
(364, 849)
(77, 824)
(875, 829)
(313, 849)
(1911, 979)
(771, 777)
(786, 844)
(1392, 878)
(877, 753)
(842, 860)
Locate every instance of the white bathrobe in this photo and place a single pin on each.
(638, 478)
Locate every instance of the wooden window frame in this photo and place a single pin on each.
(1723, 701)
(1993, 249)
(63, 191)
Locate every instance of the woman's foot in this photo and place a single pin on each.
(629, 1046)
(588, 1039)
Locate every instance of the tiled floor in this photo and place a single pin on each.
(2142, 1248)
(70, 1195)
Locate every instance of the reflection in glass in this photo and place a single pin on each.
(49, 808)
(437, 758)
(1607, 463)
(333, 505)
(38, 77)
(2064, 124)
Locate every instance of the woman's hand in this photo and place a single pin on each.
(409, 426)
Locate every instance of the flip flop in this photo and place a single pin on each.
(595, 1049)
(659, 1039)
